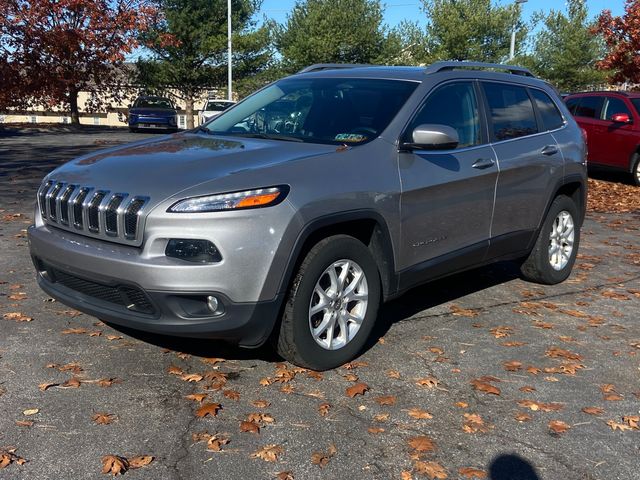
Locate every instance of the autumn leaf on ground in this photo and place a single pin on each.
(393, 374)
(540, 406)
(24, 423)
(593, 410)
(474, 424)
(208, 409)
(422, 443)
(196, 397)
(618, 426)
(512, 366)
(261, 419)
(556, 352)
(71, 383)
(114, 465)
(18, 296)
(43, 387)
(419, 414)
(107, 382)
(17, 317)
(261, 403)
(354, 365)
(429, 382)
(216, 442)
(323, 409)
(249, 427)
(386, 400)
(174, 370)
(31, 411)
(232, 394)
(375, 430)
(484, 386)
(8, 456)
(357, 389)
(284, 475)
(103, 418)
(74, 331)
(632, 420)
(501, 332)
(558, 427)
(140, 461)
(457, 311)
(470, 472)
(268, 453)
(322, 459)
(433, 470)
(513, 344)
(191, 377)
(522, 417)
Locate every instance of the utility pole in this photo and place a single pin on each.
(229, 53)
(512, 50)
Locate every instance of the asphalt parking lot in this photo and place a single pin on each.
(481, 375)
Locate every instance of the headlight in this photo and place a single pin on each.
(262, 197)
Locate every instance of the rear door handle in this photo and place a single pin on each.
(483, 163)
(550, 150)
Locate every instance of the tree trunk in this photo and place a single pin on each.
(73, 105)
(189, 110)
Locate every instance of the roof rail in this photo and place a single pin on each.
(444, 66)
(333, 66)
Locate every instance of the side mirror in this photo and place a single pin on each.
(433, 137)
(621, 118)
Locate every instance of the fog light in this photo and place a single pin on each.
(197, 251)
(212, 304)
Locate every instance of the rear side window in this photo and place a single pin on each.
(572, 105)
(551, 117)
(589, 107)
(511, 111)
(456, 106)
(613, 106)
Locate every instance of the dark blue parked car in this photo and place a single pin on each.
(153, 112)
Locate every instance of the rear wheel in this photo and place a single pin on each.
(332, 305)
(635, 171)
(554, 253)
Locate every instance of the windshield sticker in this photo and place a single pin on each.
(350, 137)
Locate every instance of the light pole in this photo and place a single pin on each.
(229, 53)
(512, 50)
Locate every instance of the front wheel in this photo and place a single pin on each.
(635, 171)
(332, 305)
(556, 248)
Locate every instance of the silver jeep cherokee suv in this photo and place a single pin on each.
(292, 215)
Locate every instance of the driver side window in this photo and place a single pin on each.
(454, 105)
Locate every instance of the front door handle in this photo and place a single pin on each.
(484, 163)
(550, 150)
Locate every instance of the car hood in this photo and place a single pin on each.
(161, 168)
(164, 112)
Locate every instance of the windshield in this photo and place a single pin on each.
(317, 110)
(153, 103)
(216, 106)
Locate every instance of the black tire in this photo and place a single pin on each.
(538, 267)
(295, 341)
(133, 130)
(635, 170)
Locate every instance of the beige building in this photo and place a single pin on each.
(114, 115)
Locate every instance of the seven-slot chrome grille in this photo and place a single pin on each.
(94, 212)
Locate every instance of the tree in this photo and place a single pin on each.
(469, 30)
(58, 48)
(622, 38)
(332, 31)
(566, 51)
(188, 46)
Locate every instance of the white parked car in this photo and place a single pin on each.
(213, 108)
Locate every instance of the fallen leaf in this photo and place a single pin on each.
(31, 411)
(196, 397)
(208, 409)
(540, 406)
(501, 332)
(357, 389)
(431, 469)
(470, 472)
(250, 427)
(386, 400)
(393, 374)
(558, 426)
(24, 423)
(284, 476)
(457, 311)
(74, 331)
(422, 443)
(269, 453)
(593, 410)
(323, 409)
(260, 403)
(512, 366)
(43, 387)
(232, 394)
(375, 430)
(485, 387)
(216, 442)
(114, 464)
(191, 377)
(429, 382)
(107, 382)
(173, 370)
(618, 426)
(103, 418)
(71, 383)
(17, 317)
(419, 414)
(556, 352)
(522, 417)
(140, 461)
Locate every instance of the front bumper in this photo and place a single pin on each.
(110, 282)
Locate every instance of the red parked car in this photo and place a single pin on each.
(611, 121)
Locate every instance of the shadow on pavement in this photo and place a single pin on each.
(512, 467)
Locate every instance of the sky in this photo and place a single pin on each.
(398, 10)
